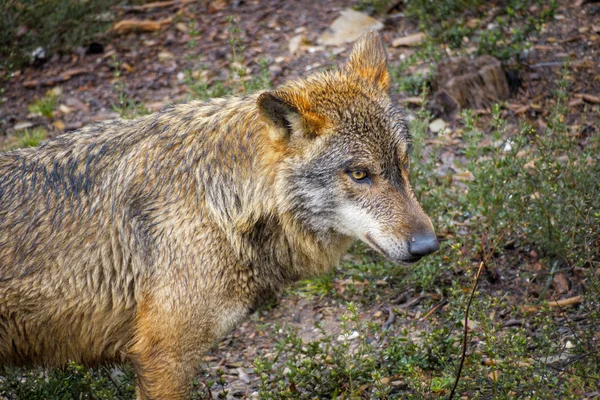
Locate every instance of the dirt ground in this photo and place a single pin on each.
(152, 68)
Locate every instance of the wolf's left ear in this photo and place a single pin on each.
(369, 61)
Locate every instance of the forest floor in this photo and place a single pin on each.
(199, 50)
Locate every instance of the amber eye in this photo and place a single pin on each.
(407, 163)
(358, 175)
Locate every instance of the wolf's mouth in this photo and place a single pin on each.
(369, 240)
(374, 245)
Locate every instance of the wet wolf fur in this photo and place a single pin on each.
(146, 240)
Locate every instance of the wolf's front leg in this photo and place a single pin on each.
(166, 353)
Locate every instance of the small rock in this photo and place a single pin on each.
(164, 56)
(56, 91)
(22, 125)
(64, 109)
(347, 337)
(38, 54)
(348, 27)
(437, 125)
(295, 43)
(243, 376)
(181, 27)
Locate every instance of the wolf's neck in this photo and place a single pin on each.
(238, 180)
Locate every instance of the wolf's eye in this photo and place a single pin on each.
(358, 175)
(406, 164)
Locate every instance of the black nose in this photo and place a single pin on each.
(422, 245)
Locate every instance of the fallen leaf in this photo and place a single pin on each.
(127, 67)
(588, 97)
(137, 25)
(575, 102)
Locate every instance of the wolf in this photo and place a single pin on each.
(144, 241)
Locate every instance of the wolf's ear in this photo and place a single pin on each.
(368, 59)
(290, 114)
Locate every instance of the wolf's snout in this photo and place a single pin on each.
(422, 245)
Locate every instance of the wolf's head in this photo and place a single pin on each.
(347, 161)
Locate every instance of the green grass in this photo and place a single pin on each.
(46, 105)
(52, 25)
(32, 138)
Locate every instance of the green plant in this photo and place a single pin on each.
(46, 105)
(32, 138)
(456, 23)
(72, 382)
(126, 106)
(239, 81)
(50, 26)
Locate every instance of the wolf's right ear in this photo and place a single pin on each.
(290, 114)
(369, 61)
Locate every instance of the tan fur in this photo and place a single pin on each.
(146, 241)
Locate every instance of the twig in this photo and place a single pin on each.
(390, 319)
(412, 302)
(434, 309)
(157, 4)
(466, 332)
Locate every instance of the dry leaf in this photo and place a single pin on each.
(136, 25)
